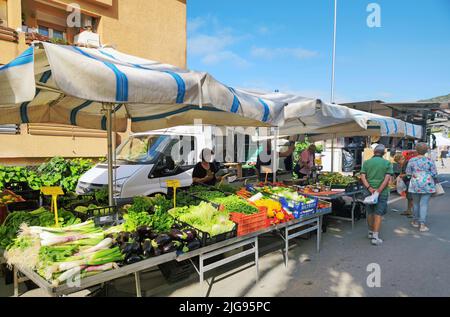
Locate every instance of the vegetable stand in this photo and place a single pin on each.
(203, 253)
(353, 195)
(283, 229)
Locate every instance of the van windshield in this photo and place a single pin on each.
(143, 149)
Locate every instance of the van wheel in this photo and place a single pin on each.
(154, 194)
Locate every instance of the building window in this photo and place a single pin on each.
(43, 30)
(58, 35)
(3, 13)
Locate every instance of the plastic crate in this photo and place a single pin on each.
(174, 271)
(27, 205)
(205, 238)
(108, 215)
(249, 223)
(327, 206)
(299, 209)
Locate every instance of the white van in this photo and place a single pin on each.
(147, 160)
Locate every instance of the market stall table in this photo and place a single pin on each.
(252, 239)
(336, 195)
(203, 253)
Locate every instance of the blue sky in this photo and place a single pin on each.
(287, 44)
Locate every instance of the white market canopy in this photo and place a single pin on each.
(61, 84)
(324, 121)
(441, 140)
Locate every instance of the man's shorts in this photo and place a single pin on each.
(379, 209)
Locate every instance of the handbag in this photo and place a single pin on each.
(439, 190)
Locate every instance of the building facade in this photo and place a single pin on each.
(152, 29)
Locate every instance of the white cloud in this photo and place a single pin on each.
(271, 53)
(213, 43)
(225, 56)
(202, 44)
(193, 25)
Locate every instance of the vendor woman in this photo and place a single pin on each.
(205, 171)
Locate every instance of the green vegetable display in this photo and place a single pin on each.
(231, 203)
(336, 179)
(56, 172)
(40, 217)
(204, 217)
(149, 211)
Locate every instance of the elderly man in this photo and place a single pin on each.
(375, 175)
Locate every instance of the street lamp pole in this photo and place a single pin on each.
(334, 52)
(332, 75)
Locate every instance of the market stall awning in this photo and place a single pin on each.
(51, 83)
(314, 117)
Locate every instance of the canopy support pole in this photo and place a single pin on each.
(332, 153)
(109, 132)
(275, 156)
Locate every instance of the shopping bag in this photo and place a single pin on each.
(401, 186)
(372, 199)
(439, 190)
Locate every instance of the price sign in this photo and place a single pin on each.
(174, 183)
(54, 192)
(51, 191)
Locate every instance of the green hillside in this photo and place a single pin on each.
(445, 98)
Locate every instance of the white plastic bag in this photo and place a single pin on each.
(439, 190)
(372, 199)
(401, 186)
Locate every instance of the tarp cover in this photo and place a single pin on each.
(51, 83)
(323, 120)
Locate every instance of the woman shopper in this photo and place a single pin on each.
(422, 186)
(401, 160)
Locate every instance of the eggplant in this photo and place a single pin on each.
(176, 234)
(191, 246)
(162, 239)
(147, 248)
(169, 247)
(143, 232)
(123, 237)
(191, 234)
(136, 247)
(127, 248)
(157, 251)
(133, 258)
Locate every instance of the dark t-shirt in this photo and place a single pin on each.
(200, 172)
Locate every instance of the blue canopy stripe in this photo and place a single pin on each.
(74, 112)
(121, 78)
(180, 82)
(24, 58)
(24, 106)
(170, 113)
(266, 110)
(236, 103)
(395, 126)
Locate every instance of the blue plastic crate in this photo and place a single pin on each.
(299, 209)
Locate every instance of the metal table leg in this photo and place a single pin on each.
(138, 284)
(16, 282)
(353, 211)
(200, 264)
(319, 232)
(286, 246)
(257, 259)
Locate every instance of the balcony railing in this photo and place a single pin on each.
(8, 34)
(30, 37)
